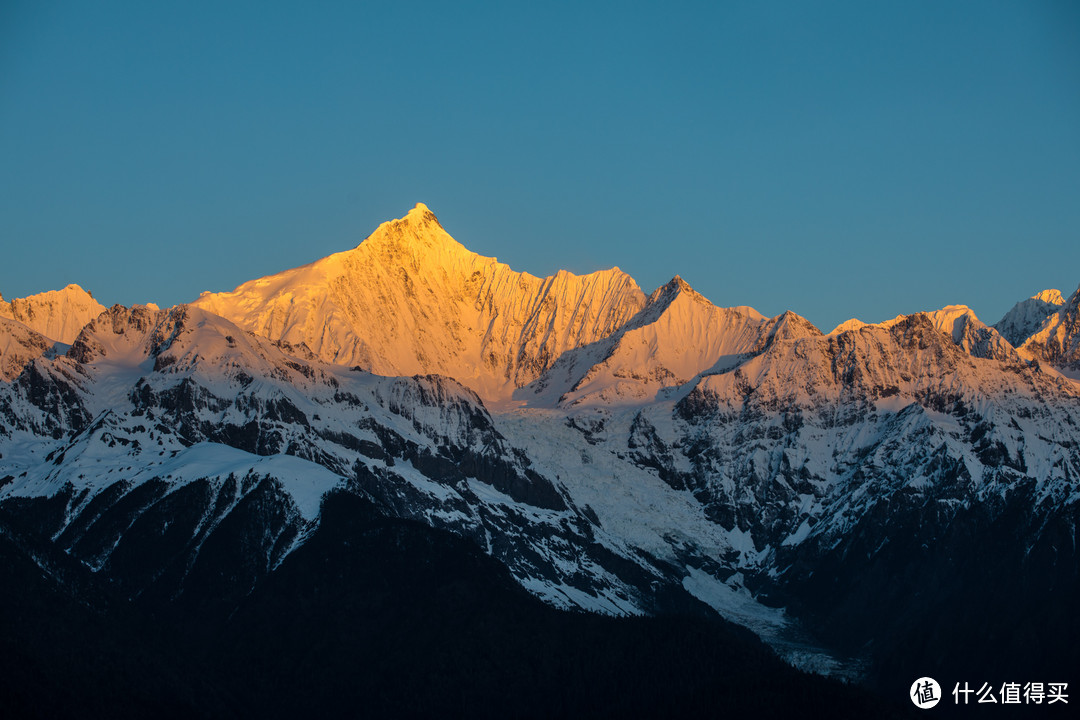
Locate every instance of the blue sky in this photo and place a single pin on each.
(838, 158)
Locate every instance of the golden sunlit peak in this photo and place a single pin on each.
(415, 228)
(1053, 297)
(419, 218)
(420, 213)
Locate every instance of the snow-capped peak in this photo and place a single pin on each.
(960, 323)
(852, 324)
(414, 241)
(1028, 316)
(411, 300)
(56, 314)
(418, 225)
(1049, 296)
(679, 283)
(676, 337)
(790, 326)
(662, 298)
(1057, 339)
(951, 320)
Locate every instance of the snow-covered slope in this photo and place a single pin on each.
(680, 336)
(971, 334)
(18, 346)
(411, 300)
(56, 314)
(857, 458)
(151, 406)
(1057, 341)
(676, 337)
(815, 445)
(1028, 316)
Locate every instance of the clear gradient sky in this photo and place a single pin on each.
(834, 158)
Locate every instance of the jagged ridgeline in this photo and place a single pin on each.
(387, 475)
(412, 300)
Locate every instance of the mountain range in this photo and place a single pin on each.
(876, 503)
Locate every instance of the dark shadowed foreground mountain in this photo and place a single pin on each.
(375, 616)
